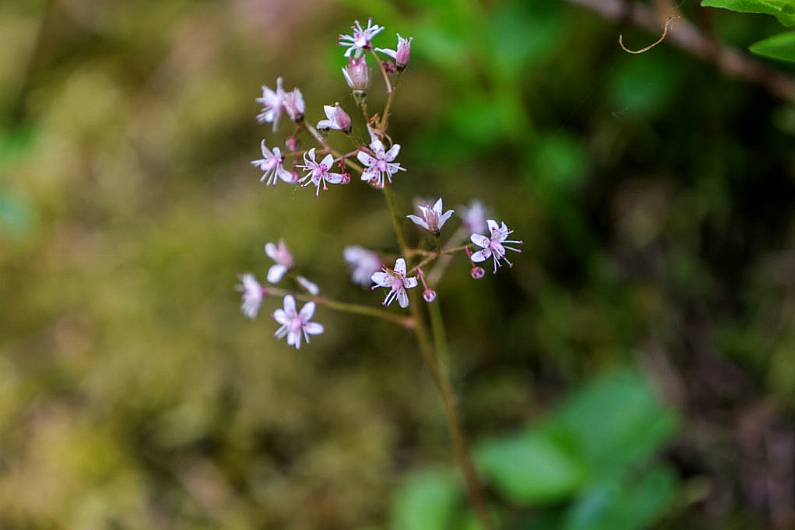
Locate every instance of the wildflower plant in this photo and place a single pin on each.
(376, 164)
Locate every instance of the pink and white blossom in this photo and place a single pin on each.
(294, 105)
(401, 54)
(396, 281)
(359, 40)
(296, 325)
(474, 217)
(336, 118)
(272, 166)
(432, 218)
(362, 262)
(252, 294)
(308, 285)
(357, 74)
(318, 173)
(380, 164)
(283, 258)
(494, 246)
(272, 102)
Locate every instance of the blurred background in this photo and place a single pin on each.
(633, 370)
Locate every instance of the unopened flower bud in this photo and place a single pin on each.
(291, 143)
(401, 54)
(429, 295)
(477, 273)
(357, 74)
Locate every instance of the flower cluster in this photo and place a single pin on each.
(321, 165)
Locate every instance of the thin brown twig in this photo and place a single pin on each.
(650, 46)
(687, 37)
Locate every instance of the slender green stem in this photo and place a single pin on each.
(345, 307)
(350, 163)
(442, 382)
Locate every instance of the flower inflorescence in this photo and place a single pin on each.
(321, 165)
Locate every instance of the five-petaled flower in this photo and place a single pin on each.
(494, 246)
(401, 54)
(474, 217)
(360, 39)
(296, 325)
(381, 164)
(396, 281)
(272, 102)
(432, 218)
(318, 173)
(336, 118)
(363, 263)
(271, 165)
(251, 294)
(283, 258)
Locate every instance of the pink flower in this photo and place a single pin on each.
(272, 102)
(360, 39)
(432, 218)
(494, 246)
(474, 217)
(271, 165)
(363, 263)
(252, 293)
(396, 281)
(308, 285)
(379, 165)
(401, 54)
(284, 260)
(296, 325)
(336, 119)
(318, 173)
(294, 105)
(357, 74)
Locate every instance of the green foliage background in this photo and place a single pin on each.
(633, 370)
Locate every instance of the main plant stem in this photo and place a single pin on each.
(440, 377)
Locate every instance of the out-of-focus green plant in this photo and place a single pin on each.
(590, 465)
(782, 46)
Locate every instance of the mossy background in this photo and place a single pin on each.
(654, 196)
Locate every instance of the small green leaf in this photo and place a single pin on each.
(783, 10)
(529, 468)
(426, 501)
(623, 504)
(781, 47)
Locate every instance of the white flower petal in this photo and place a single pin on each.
(281, 317)
(382, 279)
(366, 159)
(270, 250)
(333, 178)
(410, 283)
(313, 328)
(481, 255)
(392, 153)
(307, 311)
(400, 266)
(403, 298)
(289, 305)
(492, 224)
(276, 272)
(480, 240)
(418, 221)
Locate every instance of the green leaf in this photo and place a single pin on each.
(426, 501)
(781, 47)
(615, 422)
(623, 504)
(783, 10)
(529, 468)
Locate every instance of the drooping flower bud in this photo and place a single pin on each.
(357, 75)
(429, 295)
(291, 143)
(477, 273)
(294, 105)
(401, 54)
(336, 118)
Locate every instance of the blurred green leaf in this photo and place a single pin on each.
(557, 165)
(642, 85)
(426, 501)
(617, 504)
(783, 10)
(781, 47)
(529, 468)
(616, 421)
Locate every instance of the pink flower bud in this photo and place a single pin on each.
(336, 118)
(477, 273)
(357, 74)
(291, 143)
(403, 52)
(429, 295)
